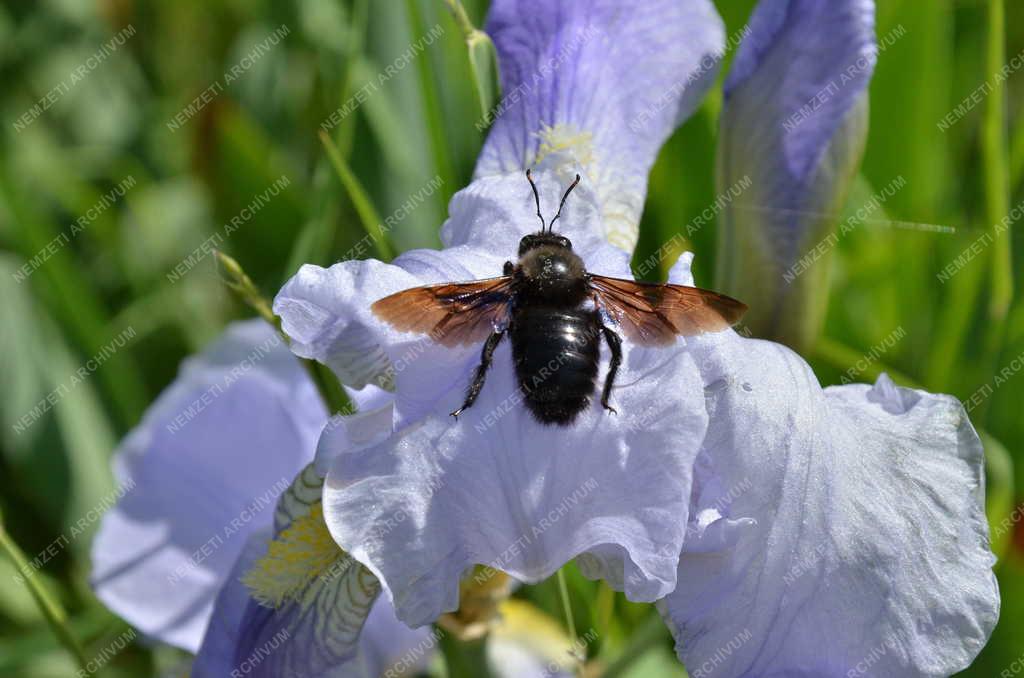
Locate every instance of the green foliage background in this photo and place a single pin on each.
(191, 181)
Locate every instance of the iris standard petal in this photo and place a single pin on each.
(602, 82)
(792, 135)
(846, 525)
(204, 467)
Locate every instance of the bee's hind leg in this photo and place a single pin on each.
(480, 375)
(615, 344)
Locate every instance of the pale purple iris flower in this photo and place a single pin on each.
(221, 462)
(783, 529)
(202, 476)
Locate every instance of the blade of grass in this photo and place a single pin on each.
(999, 493)
(995, 162)
(75, 305)
(996, 190)
(331, 391)
(431, 105)
(394, 137)
(360, 200)
(958, 309)
(16, 651)
(357, 33)
(843, 358)
(52, 611)
(313, 245)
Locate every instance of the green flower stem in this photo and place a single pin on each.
(483, 60)
(432, 107)
(334, 396)
(996, 165)
(605, 608)
(461, 18)
(54, 614)
(563, 594)
(360, 200)
(649, 634)
(464, 658)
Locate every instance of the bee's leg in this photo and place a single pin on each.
(481, 372)
(615, 344)
(509, 268)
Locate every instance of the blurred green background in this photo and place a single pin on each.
(189, 176)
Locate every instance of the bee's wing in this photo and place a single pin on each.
(654, 315)
(453, 314)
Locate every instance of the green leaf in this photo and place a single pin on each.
(368, 216)
(432, 105)
(999, 493)
(62, 285)
(49, 368)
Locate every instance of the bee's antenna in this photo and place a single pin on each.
(536, 199)
(567, 192)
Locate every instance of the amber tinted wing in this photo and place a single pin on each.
(453, 314)
(654, 315)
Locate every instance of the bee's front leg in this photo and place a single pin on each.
(615, 344)
(481, 372)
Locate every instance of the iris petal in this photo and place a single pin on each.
(854, 504)
(207, 474)
(793, 128)
(201, 480)
(300, 606)
(604, 83)
(497, 488)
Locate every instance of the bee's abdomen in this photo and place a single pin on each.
(556, 355)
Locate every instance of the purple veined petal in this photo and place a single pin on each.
(793, 128)
(201, 472)
(319, 612)
(384, 643)
(497, 488)
(600, 83)
(852, 539)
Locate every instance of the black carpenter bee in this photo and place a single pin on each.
(541, 302)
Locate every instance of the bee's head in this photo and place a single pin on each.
(544, 236)
(541, 238)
